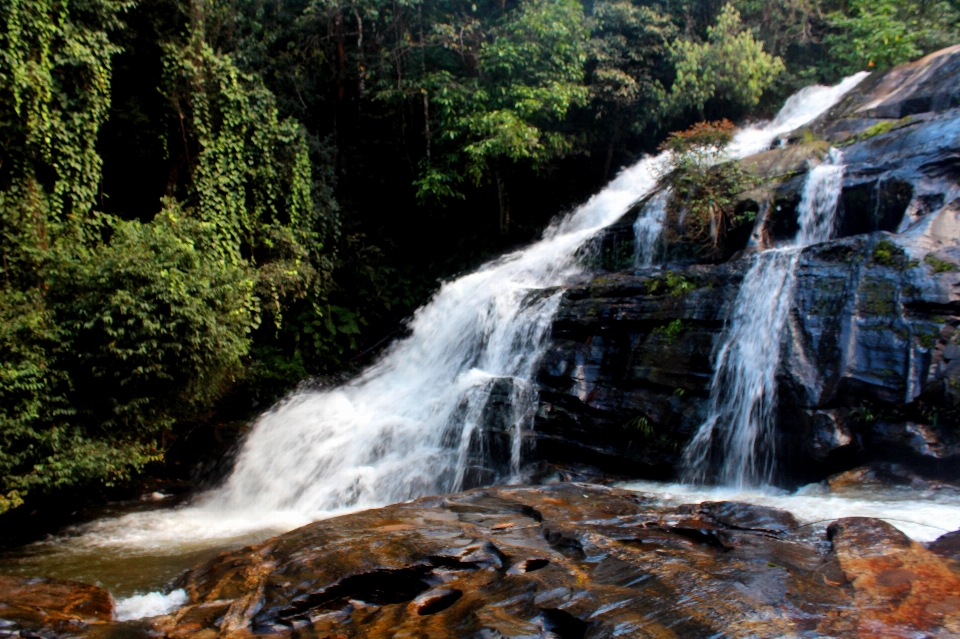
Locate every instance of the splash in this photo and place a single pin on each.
(149, 605)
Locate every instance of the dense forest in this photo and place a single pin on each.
(203, 203)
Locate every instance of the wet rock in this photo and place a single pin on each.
(435, 600)
(931, 84)
(627, 366)
(569, 560)
(492, 414)
(50, 608)
(626, 376)
(744, 516)
(947, 545)
(889, 477)
(828, 435)
(900, 587)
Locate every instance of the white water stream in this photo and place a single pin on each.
(648, 229)
(735, 445)
(404, 428)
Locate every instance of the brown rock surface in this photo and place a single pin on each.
(571, 561)
(565, 561)
(899, 586)
(49, 607)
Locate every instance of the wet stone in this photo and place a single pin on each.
(744, 516)
(50, 608)
(569, 560)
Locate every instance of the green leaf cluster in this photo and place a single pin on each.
(704, 186)
(879, 34)
(731, 65)
(529, 70)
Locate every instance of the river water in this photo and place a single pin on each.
(409, 425)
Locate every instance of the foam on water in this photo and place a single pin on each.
(921, 515)
(404, 428)
(149, 605)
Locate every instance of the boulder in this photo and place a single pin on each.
(51, 608)
(568, 560)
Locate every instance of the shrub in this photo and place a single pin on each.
(704, 185)
(119, 342)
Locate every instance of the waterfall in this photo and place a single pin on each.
(441, 406)
(735, 445)
(648, 229)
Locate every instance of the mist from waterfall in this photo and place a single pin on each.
(736, 444)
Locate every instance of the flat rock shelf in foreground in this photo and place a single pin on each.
(570, 561)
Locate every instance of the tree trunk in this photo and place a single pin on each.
(611, 147)
(427, 134)
(504, 201)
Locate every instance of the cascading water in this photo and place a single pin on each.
(404, 428)
(648, 229)
(410, 425)
(735, 444)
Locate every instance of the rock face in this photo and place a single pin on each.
(571, 561)
(51, 608)
(870, 366)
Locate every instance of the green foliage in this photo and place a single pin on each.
(55, 63)
(672, 283)
(671, 332)
(157, 324)
(731, 66)
(628, 62)
(115, 330)
(642, 424)
(705, 185)
(878, 34)
(939, 266)
(529, 74)
(251, 180)
(121, 340)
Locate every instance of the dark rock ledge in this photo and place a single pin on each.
(565, 561)
(870, 357)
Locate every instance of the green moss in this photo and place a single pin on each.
(671, 332)
(928, 339)
(828, 296)
(877, 296)
(909, 290)
(886, 253)
(877, 129)
(939, 266)
(672, 284)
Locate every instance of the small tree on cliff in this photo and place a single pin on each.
(704, 184)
